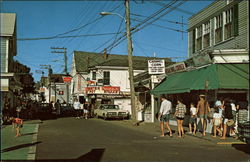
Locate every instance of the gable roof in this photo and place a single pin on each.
(57, 78)
(84, 60)
(8, 21)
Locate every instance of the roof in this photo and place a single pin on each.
(8, 21)
(84, 60)
(216, 76)
(57, 78)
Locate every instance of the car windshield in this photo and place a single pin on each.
(110, 107)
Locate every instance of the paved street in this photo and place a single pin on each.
(99, 140)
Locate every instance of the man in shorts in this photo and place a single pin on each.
(164, 115)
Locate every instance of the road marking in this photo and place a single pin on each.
(32, 149)
(230, 143)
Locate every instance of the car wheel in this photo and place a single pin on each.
(104, 117)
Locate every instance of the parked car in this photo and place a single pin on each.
(108, 111)
(45, 111)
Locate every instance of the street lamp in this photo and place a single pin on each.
(130, 62)
(111, 13)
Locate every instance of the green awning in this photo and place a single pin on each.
(216, 76)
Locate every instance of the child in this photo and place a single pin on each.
(217, 120)
(192, 119)
(18, 124)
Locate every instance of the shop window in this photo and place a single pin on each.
(106, 78)
(206, 34)
(198, 38)
(218, 28)
(93, 75)
(228, 26)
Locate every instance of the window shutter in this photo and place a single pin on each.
(193, 41)
(236, 20)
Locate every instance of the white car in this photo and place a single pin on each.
(108, 111)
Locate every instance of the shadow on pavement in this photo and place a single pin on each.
(95, 155)
(19, 147)
(242, 147)
(27, 134)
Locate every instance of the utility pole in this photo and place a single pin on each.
(130, 62)
(49, 73)
(63, 50)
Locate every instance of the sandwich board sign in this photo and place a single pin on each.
(156, 66)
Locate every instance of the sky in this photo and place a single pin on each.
(93, 33)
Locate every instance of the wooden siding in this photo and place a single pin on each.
(237, 42)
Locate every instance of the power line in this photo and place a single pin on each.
(164, 27)
(170, 21)
(120, 39)
(181, 10)
(70, 36)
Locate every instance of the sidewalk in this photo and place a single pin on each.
(154, 130)
(20, 148)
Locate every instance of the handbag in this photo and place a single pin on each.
(230, 122)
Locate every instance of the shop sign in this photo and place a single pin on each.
(156, 66)
(111, 89)
(90, 90)
(157, 78)
(61, 92)
(42, 89)
(176, 67)
(202, 59)
(67, 79)
(102, 90)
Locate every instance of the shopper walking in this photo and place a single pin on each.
(77, 107)
(202, 111)
(180, 114)
(192, 120)
(164, 115)
(228, 118)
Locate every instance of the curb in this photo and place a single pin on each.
(32, 149)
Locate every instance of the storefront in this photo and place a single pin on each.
(228, 80)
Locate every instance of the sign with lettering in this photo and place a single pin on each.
(202, 59)
(67, 79)
(156, 66)
(176, 67)
(102, 90)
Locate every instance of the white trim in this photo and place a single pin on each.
(7, 56)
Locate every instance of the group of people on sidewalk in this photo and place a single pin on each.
(82, 110)
(223, 116)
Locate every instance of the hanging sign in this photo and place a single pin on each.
(156, 66)
(67, 79)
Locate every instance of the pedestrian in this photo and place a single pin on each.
(18, 110)
(18, 124)
(233, 129)
(192, 120)
(202, 111)
(58, 108)
(77, 107)
(180, 114)
(228, 117)
(164, 115)
(86, 110)
(217, 120)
